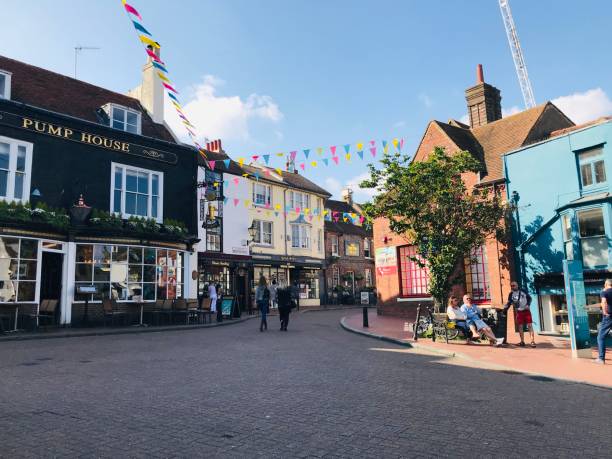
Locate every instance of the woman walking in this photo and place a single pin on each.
(262, 297)
(284, 306)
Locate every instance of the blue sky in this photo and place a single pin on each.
(274, 76)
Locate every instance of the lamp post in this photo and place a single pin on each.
(514, 199)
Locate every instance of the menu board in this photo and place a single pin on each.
(226, 305)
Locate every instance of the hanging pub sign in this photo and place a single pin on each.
(75, 135)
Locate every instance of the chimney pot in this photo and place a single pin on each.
(479, 74)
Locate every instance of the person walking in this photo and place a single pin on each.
(212, 294)
(274, 294)
(285, 304)
(521, 300)
(219, 291)
(262, 297)
(606, 321)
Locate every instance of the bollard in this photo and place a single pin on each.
(416, 323)
(365, 317)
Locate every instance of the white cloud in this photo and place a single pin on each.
(581, 107)
(427, 101)
(335, 187)
(224, 117)
(511, 111)
(399, 124)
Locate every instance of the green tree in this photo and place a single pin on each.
(428, 203)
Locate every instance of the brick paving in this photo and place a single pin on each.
(315, 391)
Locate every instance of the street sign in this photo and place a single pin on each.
(365, 297)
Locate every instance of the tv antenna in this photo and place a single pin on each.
(77, 50)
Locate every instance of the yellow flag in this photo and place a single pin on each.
(280, 154)
(325, 212)
(359, 146)
(306, 210)
(386, 149)
(348, 156)
(147, 41)
(247, 203)
(280, 172)
(395, 143)
(241, 162)
(163, 77)
(277, 206)
(313, 164)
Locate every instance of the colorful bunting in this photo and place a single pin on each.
(306, 153)
(266, 158)
(347, 148)
(360, 153)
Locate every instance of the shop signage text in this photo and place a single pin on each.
(75, 135)
(386, 261)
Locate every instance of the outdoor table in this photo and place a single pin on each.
(16, 306)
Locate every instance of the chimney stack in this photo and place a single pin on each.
(347, 196)
(483, 101)
(214, 146)
(151, 92)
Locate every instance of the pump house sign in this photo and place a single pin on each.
(76, 135)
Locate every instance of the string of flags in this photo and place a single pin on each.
(150, 45)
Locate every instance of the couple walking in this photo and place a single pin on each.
(281, 296)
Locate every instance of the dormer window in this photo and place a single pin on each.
(5, 85)
(123, 118)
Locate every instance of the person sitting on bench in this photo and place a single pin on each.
(457, 316)
(475, 322)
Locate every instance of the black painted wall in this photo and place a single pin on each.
(64, 169)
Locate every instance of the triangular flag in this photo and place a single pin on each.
(280, 154)
(306, 210)
(153, 56)
(347, 147)
(277, 206)
(384, 144)
(158, 66)
(225, 199)
(313, 164)
(236, 201)
(348, 156)
(236, 180)
(279, 171)
(396, 143)
(131, 9)
(359, 145)
(169, 88)
(276, 214)
(255, 157)
(360, 153)
(310, 218)
(372, 142)
(326, 161)
(267, 171)
(401, 144)
(361, 219)
(266, 158)
(325, 212)
(320, 151)
(139, 27)
(293, 154)
(373, 151)
(226, 163)
(335, 159)
(148, 41)
(163, 77)
(247, 202)
(297, 210)
(333, 150)
(225, 183)
(306, 153)
(256, 175)
(241, 161)
(302, 166)
(212, 164)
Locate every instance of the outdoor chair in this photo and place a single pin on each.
(193, 307)
(166, 310)
(205, 311)
(180, 309)
(155, 310)
(46, 310)
(111, 311)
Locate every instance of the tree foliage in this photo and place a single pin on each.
(428, 203)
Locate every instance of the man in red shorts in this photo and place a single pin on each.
(521, 301)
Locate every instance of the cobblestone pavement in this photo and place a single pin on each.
(315, 391)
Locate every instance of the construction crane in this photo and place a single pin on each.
(517, 54)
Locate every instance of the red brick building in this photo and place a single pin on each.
(349, 254)
(401, 283)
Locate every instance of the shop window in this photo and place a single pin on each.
(137, 192)
(15, 169)
(593, 241)
(351, 248)
(366, 248)
(566, 222)
(262, 194)
(308, 283)
(18, 263)
(123, 118)
(413, 277)
(592, 167)
(5, 85)
(123, 272)
(477, 275)
(263, 232)
(368, 277)
(300, 236)
(297, 199)
(334, 244)
(213, 237)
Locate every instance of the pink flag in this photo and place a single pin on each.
(153, 56)
(333, 150)
(267, 171)
(236, 180)
(212, 164)
(297, 210)
(236, 201)
(401, 143)
(373, 151)
(267, 206)
(335, 159)
(293, 154)
(169, 88)
(255, 157)
(372, 142)
(361, 219)
(130, 9)
(302, 166)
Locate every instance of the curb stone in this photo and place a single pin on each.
(458, 355)
(128, 330)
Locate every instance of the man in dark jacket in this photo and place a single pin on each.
(285, 302)
(521, 301)
(295, 294)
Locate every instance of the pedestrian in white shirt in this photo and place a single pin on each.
(212, 294)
